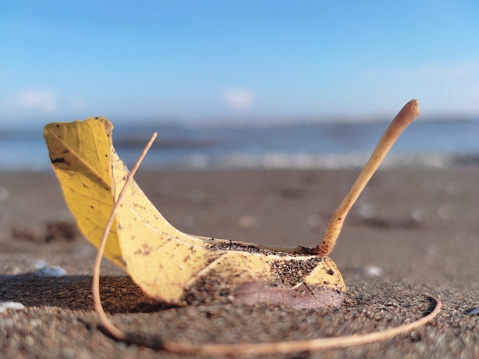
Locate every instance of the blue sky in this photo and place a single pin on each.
(235, 60)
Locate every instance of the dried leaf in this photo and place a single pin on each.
(165, 262)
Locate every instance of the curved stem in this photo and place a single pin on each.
(107, 324)
(404, 118)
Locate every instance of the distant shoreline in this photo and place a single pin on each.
(424, 144)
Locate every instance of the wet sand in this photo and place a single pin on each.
(413, 231)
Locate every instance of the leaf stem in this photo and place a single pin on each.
(404, 118)
(107, 324)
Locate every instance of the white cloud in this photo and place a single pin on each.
(78, 103)
(239, 98)
(455, 71)
(441, 88)
(38, 100)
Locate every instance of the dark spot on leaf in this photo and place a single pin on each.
(57, 160)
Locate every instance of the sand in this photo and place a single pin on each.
(413, 231)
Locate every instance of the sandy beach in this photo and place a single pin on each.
(413, 231)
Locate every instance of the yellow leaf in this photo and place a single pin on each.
(80, 153)
(165, 262)
(170, 265)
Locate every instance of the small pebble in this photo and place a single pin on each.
(51, 271)
(40, 263)
(474, 311)
(11, 305)
(373, 271)
(43, 269)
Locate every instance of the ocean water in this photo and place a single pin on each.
(294, 146)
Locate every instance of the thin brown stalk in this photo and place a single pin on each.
(107, 324)
(403, 119)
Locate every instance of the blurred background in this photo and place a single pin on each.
(243, 84)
